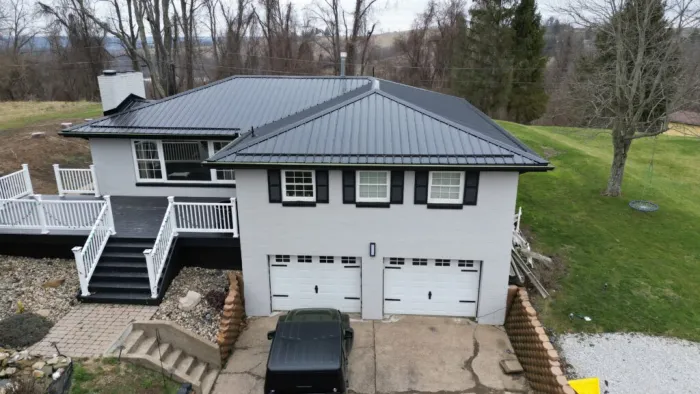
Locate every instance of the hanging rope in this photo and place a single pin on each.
(644, 205)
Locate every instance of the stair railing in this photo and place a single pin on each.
(86, 257)
(16, 185)
(156, 256)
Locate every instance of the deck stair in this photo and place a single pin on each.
(168, 348)
(121, 275)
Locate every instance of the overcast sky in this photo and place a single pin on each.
(398, 15)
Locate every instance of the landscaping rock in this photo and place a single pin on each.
(38, 374)
(199, 280)
(22, 280)
(43, 312)
(38, 134)
(8, 372)
(189, 301)
(52, 361)
(54, 283)
(47, 370)
(38, 365)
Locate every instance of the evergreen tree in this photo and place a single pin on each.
(528, 100)
(486, 74)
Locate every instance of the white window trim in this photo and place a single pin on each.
(284, 187)
(372, 199)
(458, 200)
(161, 158)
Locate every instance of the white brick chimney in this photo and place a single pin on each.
(115, 87)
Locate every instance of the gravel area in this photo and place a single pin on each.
(203, 319)
(634, 363)
(23, 280)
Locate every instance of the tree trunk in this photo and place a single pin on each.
(621, 147)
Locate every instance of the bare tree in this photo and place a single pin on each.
(635, 79)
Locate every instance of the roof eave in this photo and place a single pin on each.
(482, 167)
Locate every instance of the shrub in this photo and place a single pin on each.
(19, 331)
(216, 299)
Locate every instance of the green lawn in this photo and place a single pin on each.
(650, 261)
(109, 376)
(17, 114)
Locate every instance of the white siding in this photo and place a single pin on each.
(481, 232)
(114, 163)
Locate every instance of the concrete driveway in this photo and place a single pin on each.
(414, 354)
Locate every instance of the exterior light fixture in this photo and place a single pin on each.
(372, 249)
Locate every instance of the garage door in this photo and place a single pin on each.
(431, 286)
(315, 282)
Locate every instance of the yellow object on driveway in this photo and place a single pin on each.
(586, 386)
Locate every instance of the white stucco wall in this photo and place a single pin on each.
(481, 232)
(114, 163)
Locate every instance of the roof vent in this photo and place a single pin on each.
(343, 56)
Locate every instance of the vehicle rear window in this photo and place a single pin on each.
(312, 316)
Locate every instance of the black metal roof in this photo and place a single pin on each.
(325, 120)
(306, 346)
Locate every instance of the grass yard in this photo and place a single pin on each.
(109, 376)
(18, 120)
(650, 261)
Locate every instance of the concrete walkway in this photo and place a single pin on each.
(413, 354)
(89, 329)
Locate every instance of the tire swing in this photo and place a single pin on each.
(645, 205)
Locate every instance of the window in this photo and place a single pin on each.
(325, 259)
(442, 263)
(446, 187)
(420, 261)
(178, 161)
(282, 258)
(348, 260)
(396, 261)
(373, 186)
(148, 164)
(298, 186)
(465, 263)
(303, 259)
(219, 174)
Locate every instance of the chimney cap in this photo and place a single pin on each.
(343, 55)
(109, 72)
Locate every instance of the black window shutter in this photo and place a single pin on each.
(348, 187)
(274, 185)
(322, 186)
(396, 187)
(471, 187)
(421, 189)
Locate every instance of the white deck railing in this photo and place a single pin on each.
(16, 185)
(156, 256)
(86, 257)
(76, 181)
(193, 217)
(47, 215)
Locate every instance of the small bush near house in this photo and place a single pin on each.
(216, 299)
(22, 330)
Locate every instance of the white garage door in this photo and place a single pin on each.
(315, 282)
(431, 286)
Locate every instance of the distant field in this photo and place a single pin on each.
(18, 120)
(649, 261)
(16, 114)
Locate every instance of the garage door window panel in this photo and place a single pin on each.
(446, 187)
(373, 186)
(298, 186)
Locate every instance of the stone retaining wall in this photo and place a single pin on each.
(532, 346)
(233, 316)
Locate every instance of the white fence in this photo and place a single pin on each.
(86, 258)
(76, 181)
(193, 217)
(46, 215)
(16, 185)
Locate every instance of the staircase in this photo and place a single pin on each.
(166, 347)
(121, 276)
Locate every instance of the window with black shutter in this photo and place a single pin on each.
(396, 187)
(348, 187)
(322, 186)
(274, 186)
(421, 188)
(471, 187)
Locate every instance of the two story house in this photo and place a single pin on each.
(353, 192)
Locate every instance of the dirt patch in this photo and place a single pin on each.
(549, 152)
(18, 147)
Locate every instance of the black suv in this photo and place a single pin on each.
(309, 352)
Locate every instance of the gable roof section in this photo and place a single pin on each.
(224, 107)
(376, 127)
